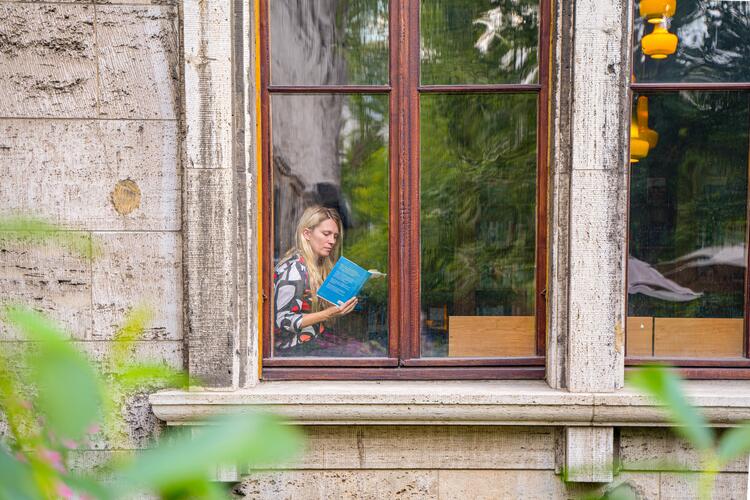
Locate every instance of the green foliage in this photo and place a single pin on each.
(54, 400)
(38, 231)
(666, 387)
(69, 403)
(254, 439)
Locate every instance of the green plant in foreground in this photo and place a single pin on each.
(56, 396)
(53, 400)
(665, 386)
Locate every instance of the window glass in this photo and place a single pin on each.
(479, 41)
(329, 151)
(478, 187)
(688, 227)
(329, 42)
(712, 43)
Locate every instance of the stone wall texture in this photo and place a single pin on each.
(89, 139)
(478, 462)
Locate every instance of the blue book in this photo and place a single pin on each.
(344, 281)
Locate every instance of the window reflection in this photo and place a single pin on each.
(688, 218)
(331, 152)
(329, 42)
(479, 41)
(478, 187)
(712, 44)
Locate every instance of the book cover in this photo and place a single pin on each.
(344, 281)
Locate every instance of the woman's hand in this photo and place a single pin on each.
(328, 313)
(342, 310)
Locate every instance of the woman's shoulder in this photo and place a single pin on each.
(294, 260)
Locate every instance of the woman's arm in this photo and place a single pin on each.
(328, 313)
(289, 288)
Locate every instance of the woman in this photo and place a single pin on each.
(299, 318)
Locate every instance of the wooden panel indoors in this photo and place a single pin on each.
(639, 337)
(495, 336)
(698, 337)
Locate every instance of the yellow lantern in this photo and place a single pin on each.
(660, 43)
(650, 136)
(656, 11)
(638, 145)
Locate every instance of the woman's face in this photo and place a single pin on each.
(323, 237)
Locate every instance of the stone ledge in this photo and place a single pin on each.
(725, 403)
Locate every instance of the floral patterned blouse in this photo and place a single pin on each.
(293, 298)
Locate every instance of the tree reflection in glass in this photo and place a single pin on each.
(329, 42)
(713, 46)
(478, 186)
(332, 150)
(479, 41)
(688, 222)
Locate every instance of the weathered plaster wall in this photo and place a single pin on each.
(90, 139)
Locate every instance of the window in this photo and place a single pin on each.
(690, 141)
(419, 130)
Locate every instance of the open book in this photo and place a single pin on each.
(345, 281)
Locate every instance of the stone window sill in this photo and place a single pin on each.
(725, 403)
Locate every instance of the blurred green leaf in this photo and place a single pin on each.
(134, 377)
(40, 231)
(254, 439)
(198, 488)
(666, 387)
(92, 487)
(68, 393)
(734, 442)
(16, 481)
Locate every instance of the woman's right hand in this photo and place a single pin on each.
(342, 310)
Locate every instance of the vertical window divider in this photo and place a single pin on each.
(746, 324)
(395, 128)
(542, 140)
(413, 185)
(267, 172)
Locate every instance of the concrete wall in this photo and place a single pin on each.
(90, 139)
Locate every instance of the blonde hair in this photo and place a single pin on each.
(317, 268)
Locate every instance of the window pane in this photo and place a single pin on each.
(329, 150)
(713, 44)
(688, 221)
(329, 42)
(478, 187)
(479, 41)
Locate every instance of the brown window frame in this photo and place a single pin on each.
(693, 368)
(403, 360)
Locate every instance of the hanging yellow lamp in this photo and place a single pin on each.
(638, 145)
(656, 11)
(649, 135)
(659, 43)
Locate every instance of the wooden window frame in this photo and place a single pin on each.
(404, 89)
(694, 368)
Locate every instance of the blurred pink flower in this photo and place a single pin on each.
(52, 457)
(64, 490)
(69, 444)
